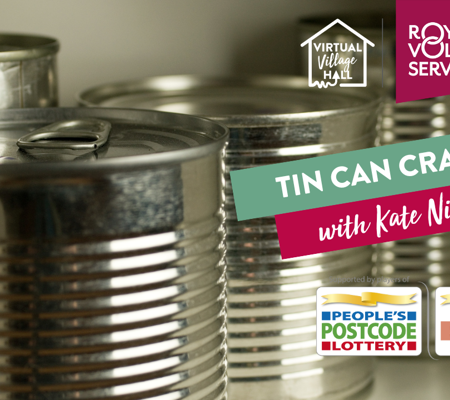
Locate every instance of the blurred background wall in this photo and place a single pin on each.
(110, 40)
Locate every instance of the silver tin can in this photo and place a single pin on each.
(112, 266)
(271, 309)
(424, 259)
(28, 71)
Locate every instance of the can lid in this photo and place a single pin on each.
(113, 138)
(256, 100)
(15, 47)
(368, 24)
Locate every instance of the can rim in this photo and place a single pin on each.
(46, 169)
(30, 46)
(357, 21)
(92, 97)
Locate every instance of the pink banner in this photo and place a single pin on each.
(364, 223)
(422, 49)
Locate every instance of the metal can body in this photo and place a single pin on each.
(112, 271)
(271, 302)
(424, 259)
(28, 75)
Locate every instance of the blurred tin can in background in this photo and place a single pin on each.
(423, 259)
(112, 270)
(28, 75)
(271, 302)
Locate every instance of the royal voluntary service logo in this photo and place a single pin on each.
(422, 49)
(334, 62)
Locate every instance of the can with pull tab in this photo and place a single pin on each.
(112, 272)
(271, 302)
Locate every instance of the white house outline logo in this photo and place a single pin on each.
(323, 84)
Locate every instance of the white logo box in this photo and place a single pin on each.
(360, 330)
(442, 340)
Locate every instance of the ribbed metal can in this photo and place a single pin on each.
(28, 73)
(112, 270)
(423, 259)
(271, 308)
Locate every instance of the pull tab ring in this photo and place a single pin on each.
(81, 134)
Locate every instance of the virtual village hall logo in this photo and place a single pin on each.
(329, 63)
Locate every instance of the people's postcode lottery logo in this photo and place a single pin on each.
(369, 321)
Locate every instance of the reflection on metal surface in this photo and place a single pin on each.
(112, 281)
(426, 258)
(420, 119)
(271, 309)
(271, 312)
(28, 75)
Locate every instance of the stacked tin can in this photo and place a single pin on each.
(424, 259)
(112, 263)
(272, 316)
(28, 71)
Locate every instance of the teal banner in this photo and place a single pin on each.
(341, 178)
